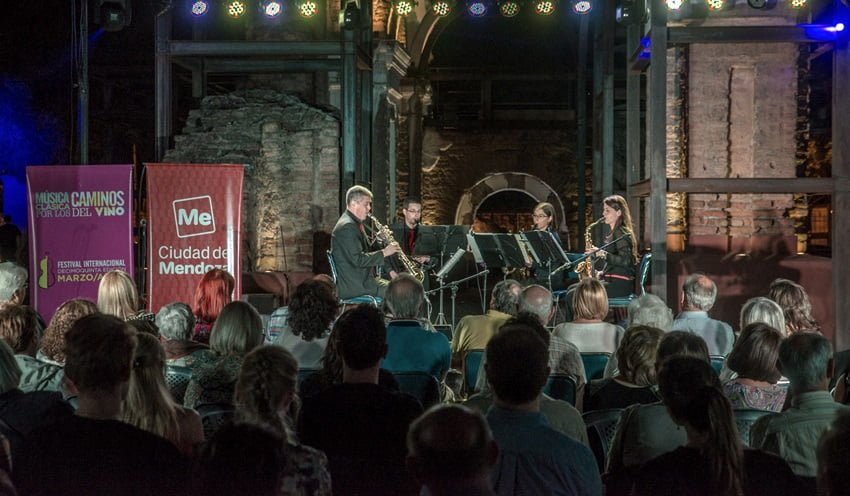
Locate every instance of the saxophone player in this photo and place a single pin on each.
(621, 256)
(544, 220)
(406, 233)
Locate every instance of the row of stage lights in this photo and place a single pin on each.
(239, 8)
(723, 4)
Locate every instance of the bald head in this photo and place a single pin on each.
(699, 292)
(537, 300)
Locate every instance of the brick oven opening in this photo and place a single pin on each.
(506, 211)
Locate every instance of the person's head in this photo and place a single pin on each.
(805, 358)
(528, 320)
(650, 310)
(10, 372)
(312, 308)
(681, 343)
(517, 365)
(175, 322)
(405, 297)
(698, 293)
(267, 385)
(615, 210)
(637, 353)
(241, 459)
(795, 304)
(544, 216)
(98, 354)
(755, 354)
(834, 457)
(764, 310)
(412, 211)
(214, 291)
(537, 300)
(451, 446)
(148, 404)
(505, 297)
(358, 200)
(117, 295)
(237, 330)
(13, 284)
(361, 337)
(590, 301)
(53, 343)
(692, 393)
(19, 328)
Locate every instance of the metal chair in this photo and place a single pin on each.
(601, 428)
(215, 415)
(471, 364)
(375, 301)
(561, 387)
(744, 419)
(643, 273)
(177, 379)
(594, 364)
(717, 362)
(421, 385)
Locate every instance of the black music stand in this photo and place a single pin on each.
(442, 241)
(496, 251)
(546, 251)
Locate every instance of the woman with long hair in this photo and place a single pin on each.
(795, 304)
(621, 256)
(713, 462)
(754, 358)
(266, 389)
(312, 309)
(213, 292)
(149, 405)
(117, 295)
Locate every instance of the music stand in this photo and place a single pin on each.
(497, 250)
(442, 240)
(546, 250)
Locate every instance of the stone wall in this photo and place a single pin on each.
(291, 151)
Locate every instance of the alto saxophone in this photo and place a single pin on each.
(585, 268)
(411, 266)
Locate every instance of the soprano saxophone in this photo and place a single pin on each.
(411, 266)
(585, 268)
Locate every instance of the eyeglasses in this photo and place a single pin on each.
(413, 211)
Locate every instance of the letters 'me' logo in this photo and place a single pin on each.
(194, 216)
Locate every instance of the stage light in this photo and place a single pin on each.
(715, 4)
(404, 7)
(544, 7)
(271, 8)
(200, 7)
(441, 8)
(236, 8)
(509, 8)
(476, 8)
(674, 4)
(581, 7)
(307, 8)
(839, 27)
(798, 4)
(113, 15)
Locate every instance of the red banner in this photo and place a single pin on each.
(194, 226)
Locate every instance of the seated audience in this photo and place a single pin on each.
(13, 284)
(474, 331)
(714, 461)
(265, 391)
(833, 459)
(764, 310)
(94, 452)
(214, 291)
(19, 329)
(117, 295)
(360, 425)
(806, 359)
(53, 344)
(633, 383)
(533, 457)
(698, 296)
(588, 331)
(451, 451)
(754, 359)
(150, 406)
(175, 323)
(795, 304)
(237, 330)
(645, 310)
(312, 310)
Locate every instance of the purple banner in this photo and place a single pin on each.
(80, 227)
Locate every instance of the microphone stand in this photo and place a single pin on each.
(454, 286)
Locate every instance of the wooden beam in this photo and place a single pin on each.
(841, 197)
(823, 185)
(748, 34)
(657, 141)
(245, 48)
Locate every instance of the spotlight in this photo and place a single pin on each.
(798, 4)
(509, 8)
(674, 4)
(200, 7)
(476, 8)
(113, 15)
(236, 8)
(544, 7)
(839, 27)
(307, 8)
(405, 7)
(441, 8)
(715, 4)
(580, 7)
(271, 8)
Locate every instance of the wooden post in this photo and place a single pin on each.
(841, 196)
(657, 139)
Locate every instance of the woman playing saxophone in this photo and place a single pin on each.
(621, 256)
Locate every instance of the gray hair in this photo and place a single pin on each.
(356, 193)
(804, 358)
(539, 308)
(10, 373)
(700, 292)
(12, 280)
(505, 297)
(765, 310)
(404, 297)
(650, 310)
(175, 322)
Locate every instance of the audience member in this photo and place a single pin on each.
(698, 296)
(533, 458)
(237, 330)
(360, 425)
(806, 359)
(588, 331)
(412, 346)
(714, 462)
(795, 304)
(279, 319)
(13, 284)
(214, 291)
(53, 345)
(474, 331)
(633, 383)
(451, 451)
(754, 359)
(764, 310)
(833, 456)
(650, 310)
(312, 310)
(93, 452)
(150, 406)
(266, 389)
(175, 323)
(117, 296)
(19, 329)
